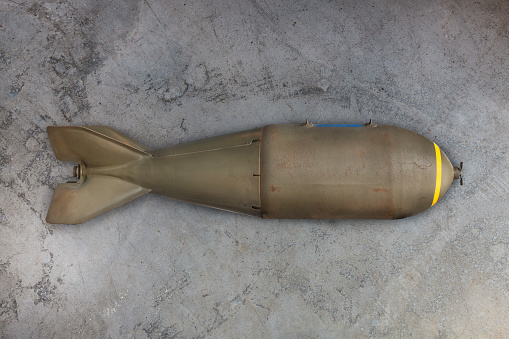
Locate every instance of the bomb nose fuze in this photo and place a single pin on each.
(323, 171)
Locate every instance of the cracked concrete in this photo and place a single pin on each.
(171, 72)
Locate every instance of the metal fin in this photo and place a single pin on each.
(78, 202)
(92, 148)
(113, 134)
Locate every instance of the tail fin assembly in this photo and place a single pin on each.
(94, 194)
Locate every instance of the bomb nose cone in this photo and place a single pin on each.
(445, 175)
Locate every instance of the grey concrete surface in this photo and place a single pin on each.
(166, 72)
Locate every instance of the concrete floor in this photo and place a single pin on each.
(167, 72)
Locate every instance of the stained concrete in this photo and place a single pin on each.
(167, 72)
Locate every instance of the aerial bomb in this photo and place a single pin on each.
(308, 171)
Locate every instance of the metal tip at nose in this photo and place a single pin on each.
(458, 173)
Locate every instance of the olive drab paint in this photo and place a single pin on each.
(323, 171)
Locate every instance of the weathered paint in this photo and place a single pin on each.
(372, 172)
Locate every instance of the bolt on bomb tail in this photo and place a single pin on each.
(279, 171)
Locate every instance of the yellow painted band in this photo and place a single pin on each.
(439, 174)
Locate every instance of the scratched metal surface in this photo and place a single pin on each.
(165, 72)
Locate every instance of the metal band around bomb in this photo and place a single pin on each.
(439, 174)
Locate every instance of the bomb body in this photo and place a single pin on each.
(279, 171)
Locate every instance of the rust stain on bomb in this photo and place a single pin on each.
(274, 189)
